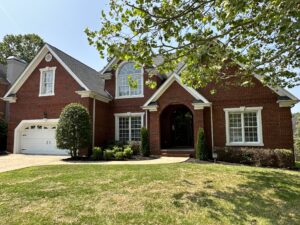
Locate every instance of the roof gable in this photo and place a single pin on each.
(175, 78)
(85, 76)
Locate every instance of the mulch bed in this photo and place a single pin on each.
(89, 159)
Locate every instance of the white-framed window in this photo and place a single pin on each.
(123, 88)
(243, 126)
(47, 81)
(128, 126)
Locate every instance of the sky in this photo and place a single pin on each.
(61, 23)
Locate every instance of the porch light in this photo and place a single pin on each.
(215, 156)
(45, 116)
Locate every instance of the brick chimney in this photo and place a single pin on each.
(15, 67)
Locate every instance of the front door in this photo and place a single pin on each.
(182, 128)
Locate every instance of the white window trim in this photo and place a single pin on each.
(128, 114)
(259, 126)
(117, 96)
(41, 81)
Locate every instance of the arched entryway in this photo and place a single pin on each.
(176, 127)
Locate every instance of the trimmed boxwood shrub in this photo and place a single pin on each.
(200, 144)
(116, 149)
(74, 131)
(128, 152)
(282, 158)
(145, 147)
(108, 154)
(97, 153)
(119, 155)
(135, 146)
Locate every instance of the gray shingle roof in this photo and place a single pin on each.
(88, 76)
(3, 74)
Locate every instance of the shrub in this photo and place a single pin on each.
(128, 152)
(74, 129)
(284, 157)
(97, 153)
(108, 154)
(201, 149)
(145, 147)
(135, 146)
(119, 156)
(297, 139)
(3, 135)
(257, 156)
(116, 149)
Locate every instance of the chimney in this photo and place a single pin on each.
(15, 67)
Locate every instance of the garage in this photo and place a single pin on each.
(39, 138)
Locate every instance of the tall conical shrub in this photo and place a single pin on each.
(145, 147)
(200, 147)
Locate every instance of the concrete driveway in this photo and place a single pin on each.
(18, 161)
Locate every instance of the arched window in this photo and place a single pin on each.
(123, 87)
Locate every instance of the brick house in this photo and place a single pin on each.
(257, 116)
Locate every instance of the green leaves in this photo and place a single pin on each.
(210, 36)
(22, 46)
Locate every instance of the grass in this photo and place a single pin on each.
(149, 194)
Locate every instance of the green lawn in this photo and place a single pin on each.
(153, 194)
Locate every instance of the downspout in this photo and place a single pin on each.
(94, 116)
(146, 119)
(212, 130)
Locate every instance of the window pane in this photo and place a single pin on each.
(250, 119)
(123, 84)
(235, 127)
(123, 129)
(136, 124)
(251, 134)
(47, 82)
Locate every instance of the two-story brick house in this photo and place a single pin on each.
(255, 116)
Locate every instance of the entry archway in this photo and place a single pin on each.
(176, 127)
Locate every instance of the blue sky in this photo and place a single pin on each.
(61, 23)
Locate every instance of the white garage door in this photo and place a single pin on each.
(40, 139)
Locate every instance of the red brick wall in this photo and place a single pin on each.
(276, 121)
(30, 106)
(103, 124)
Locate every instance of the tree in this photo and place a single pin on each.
(209, 36)
(22, 46)
(74, 129)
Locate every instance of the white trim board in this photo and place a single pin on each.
(92, 94)
(32, 66)
(174, 77)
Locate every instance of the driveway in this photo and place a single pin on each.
(18, 161)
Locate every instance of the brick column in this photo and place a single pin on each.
(154, 133)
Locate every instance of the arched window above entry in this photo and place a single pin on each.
(123, 89)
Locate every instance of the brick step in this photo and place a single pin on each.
(177, 153)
